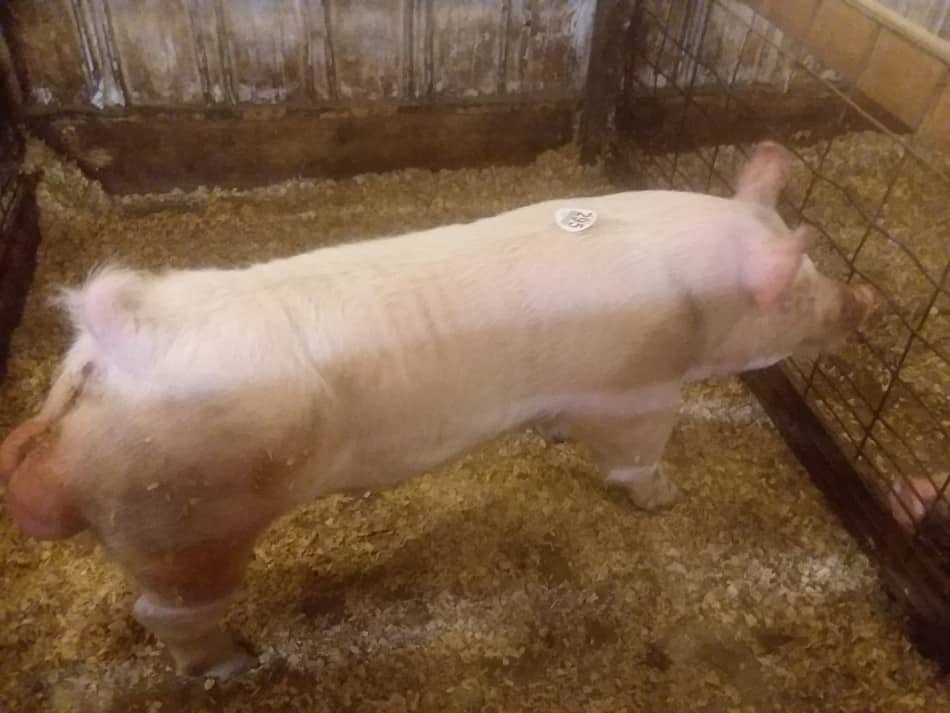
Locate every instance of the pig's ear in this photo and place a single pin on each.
(764, 175)
(107, 307)
(769, 267)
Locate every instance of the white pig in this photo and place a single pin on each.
(195, 407)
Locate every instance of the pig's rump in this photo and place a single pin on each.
(210, 395)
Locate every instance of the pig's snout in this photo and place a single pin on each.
(867, 298)
(858, 303)
(16, 444)
(845, 309)
(36, 493)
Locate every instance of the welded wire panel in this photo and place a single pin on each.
(708, 80)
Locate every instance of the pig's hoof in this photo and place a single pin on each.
(227, 659)
(240, 662)
(658, 493)
(233, 665)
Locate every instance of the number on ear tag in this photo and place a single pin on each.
(575, 220)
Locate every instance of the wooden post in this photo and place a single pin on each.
(604, 75)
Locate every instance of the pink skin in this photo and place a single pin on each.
(762, 179)
(911, 500)
(177, 434)
(36, 496)
(14, 446)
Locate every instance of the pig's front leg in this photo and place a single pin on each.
(194, 636)
(187, 591)
(649, 487)
(628, 451)
(635, 464)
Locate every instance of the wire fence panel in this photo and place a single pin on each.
(705, 82)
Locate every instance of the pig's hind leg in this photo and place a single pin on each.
(628, 450)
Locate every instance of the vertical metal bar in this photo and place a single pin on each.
(89, 59)
(429, 57)
(279, 79)
(408, 48)
(501, 84)
(224, 52)
(694, 9)
(659, 55)
(704, 27)
(332, 84)
(112, 54)
(731, 85)
(201, 51)
(306, 20)
(524, 43)
(105, 86)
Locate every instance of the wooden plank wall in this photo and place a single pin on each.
(485, 81)
(88, 55)
(150, 95)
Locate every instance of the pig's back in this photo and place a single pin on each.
(439, 294)
(509, 271)
(464, 332)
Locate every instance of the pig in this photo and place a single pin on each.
(195, 407)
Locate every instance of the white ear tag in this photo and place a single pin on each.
(574, 220)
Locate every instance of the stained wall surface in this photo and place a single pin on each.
(101, 54)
